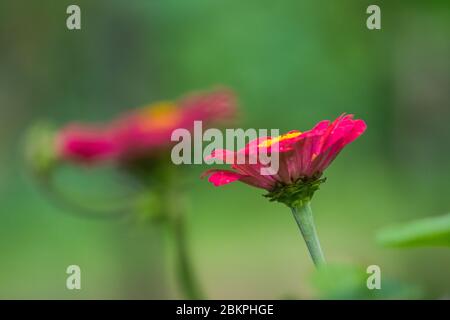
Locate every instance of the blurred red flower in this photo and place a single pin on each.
(144, 131)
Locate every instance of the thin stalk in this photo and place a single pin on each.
(173, 200)
(304, 218)
(186, 277)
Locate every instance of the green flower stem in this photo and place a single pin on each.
(165, 180)
(174, 206)
(303, 216)
(186, 277)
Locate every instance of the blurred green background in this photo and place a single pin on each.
(291, 63)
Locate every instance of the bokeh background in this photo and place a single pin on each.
(292, 63)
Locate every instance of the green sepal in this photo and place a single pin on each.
(295, 194)
(148, 208)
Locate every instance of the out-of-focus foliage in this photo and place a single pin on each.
(433, 231)
(349, 282)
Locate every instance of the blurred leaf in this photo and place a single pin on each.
(39, 149)
(350, 282)
(433, 231)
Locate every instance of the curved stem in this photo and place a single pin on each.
(78, 208)
(185, 272)
(303, 216)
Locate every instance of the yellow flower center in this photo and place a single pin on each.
(160, 116)
(267, 143)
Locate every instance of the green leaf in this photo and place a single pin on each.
(433, 231)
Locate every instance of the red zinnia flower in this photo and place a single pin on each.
(303, 157)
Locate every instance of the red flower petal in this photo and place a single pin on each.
(221, 177)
